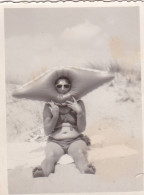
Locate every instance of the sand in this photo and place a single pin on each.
(117, 169)
(114, 124)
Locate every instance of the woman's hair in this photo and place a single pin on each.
(65, 78)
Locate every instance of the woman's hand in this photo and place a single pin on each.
(54, 109)
(74, 106)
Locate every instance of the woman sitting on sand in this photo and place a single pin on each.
(64, 124)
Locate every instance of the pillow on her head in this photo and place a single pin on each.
(83, 81)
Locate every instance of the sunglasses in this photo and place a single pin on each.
(65, 86)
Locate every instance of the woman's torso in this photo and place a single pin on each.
(66, 126)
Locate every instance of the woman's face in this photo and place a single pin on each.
(62, 86)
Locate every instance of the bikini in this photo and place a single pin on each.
(70, 119)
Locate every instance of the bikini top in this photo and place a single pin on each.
(65, 116)
(68, 117)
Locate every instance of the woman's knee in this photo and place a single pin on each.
(78, 148)
(53, 151)
(77, 152)
(81, 151)
(51, 155)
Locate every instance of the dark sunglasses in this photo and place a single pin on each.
(65, 86)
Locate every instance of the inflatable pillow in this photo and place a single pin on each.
(83, 81)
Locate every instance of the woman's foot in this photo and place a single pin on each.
(38, 172)
(90, 169)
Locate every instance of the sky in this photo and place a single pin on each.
(37, 39)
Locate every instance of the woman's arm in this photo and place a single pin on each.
(50, 118)
(81, 117)
(79, 108)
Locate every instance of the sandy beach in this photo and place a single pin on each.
(114, 125)
(115, 172)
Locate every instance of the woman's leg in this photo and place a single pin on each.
(53, 153)
(78, 150)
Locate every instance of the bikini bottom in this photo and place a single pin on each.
(65, 143)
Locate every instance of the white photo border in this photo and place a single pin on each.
(3, 134)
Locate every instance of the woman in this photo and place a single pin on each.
(64, 124)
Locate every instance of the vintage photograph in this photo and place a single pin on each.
(73, 99)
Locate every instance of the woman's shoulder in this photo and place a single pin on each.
(80, 101)
(47, 106)
(47, 110)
